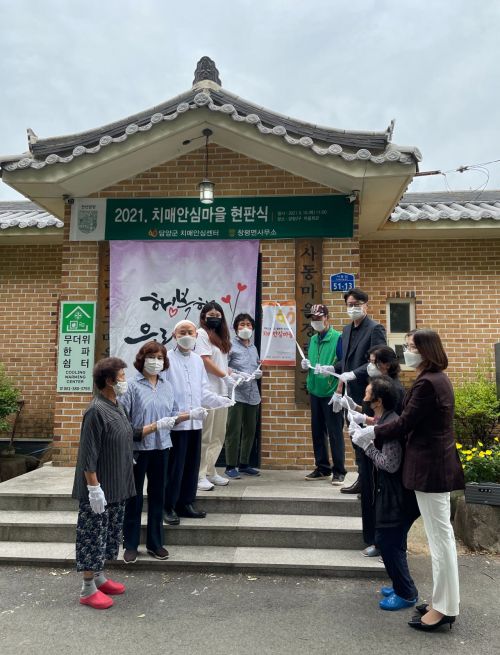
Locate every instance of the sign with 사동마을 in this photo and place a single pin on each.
(75, 357)
(277, 343)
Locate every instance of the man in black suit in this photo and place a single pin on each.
(361, 334)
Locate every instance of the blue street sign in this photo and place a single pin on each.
(342, 282)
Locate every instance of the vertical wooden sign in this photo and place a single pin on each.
(102, 323)
(308, 292)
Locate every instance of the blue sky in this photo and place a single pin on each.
(71, 65)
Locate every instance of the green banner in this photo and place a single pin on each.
(75, 358)
(269, 217)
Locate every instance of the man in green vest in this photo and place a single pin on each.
(325, 348)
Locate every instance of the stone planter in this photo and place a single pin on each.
(478, 526)
(482, 493)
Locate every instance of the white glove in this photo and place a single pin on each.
(335, 402)
(166, 423)
(96, 498)
(230, 383)
(348, 403)
(347, 377)
(305, 364)
(363, 437)
(328, 370)
(224, 401)
(257, 374)
(239, 375)
(198, 414)
(357, 417)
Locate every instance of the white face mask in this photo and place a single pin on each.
(187, 341)
(413, 360)
(120, 387)
(245, 333)
(318, 326)
(153, 365)
(373, 371)
(355, 313)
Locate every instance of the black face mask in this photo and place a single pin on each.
(213, 323)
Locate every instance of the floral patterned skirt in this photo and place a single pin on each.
(98, 536)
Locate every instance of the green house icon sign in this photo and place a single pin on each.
(78, 318)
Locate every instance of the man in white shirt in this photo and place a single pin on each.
(191, 387)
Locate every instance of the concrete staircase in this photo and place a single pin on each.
(278, 523)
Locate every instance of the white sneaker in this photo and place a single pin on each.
(218, 480)
(204, 485)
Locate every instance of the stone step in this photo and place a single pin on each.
(238, 530)
(211, 559)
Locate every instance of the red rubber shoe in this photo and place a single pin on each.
(113, 588)
(98, 601)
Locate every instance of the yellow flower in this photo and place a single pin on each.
(481, 454)
(479, 443)
(474, 450)
(489, 452)
(459, 446)
(469, 457)
(496, 439)
(467, 452)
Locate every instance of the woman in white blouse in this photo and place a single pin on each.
(213, 345)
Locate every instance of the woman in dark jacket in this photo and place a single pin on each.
(394, 507)
(431, 468)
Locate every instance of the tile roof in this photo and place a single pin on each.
(26, 214)
(448, 205)
(208, 95)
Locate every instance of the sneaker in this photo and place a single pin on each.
(129, 556)
(160, 553)
(233, 474)
(370, 551)
(337, 478)
(317, 475)
(112, 588)
(97, 600)
(204, 485)
(218, 480)
(249, 470)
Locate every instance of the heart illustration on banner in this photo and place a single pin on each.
(172, 311)
(226, 299)
(241, 287)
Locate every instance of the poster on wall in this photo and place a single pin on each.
(155, 285)
(278, 334)
(75, 353)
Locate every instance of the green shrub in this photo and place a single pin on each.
(481, 464)
(9, 395)
(477, 410)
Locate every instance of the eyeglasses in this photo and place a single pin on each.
(410, 348)
(355, 304)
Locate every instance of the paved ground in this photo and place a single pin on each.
(232, 614)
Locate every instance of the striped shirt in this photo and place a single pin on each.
(106, 450)
(246, 359)
(145, 404)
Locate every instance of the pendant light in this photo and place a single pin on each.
(206, 187)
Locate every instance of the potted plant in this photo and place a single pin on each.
(482, 472)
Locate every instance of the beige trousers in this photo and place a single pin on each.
(212, 440)
(435, 510)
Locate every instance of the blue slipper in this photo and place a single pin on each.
(395, 602)
(386, 591)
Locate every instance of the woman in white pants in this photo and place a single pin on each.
(213, 344)
(431, 467)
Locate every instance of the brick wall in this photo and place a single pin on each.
(457, 291)
(79, 282)
(29, 292)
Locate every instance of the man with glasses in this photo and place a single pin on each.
(358, 336)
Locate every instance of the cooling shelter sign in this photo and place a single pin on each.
(155, 285)
(75, 356)
(160, 219)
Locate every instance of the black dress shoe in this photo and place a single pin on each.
(422, 609)
(416, 623)
(355, 488)
(190, 512)
(170, 517)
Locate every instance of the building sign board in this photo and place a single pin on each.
(75, 357)
(263, 217)
(342, 282)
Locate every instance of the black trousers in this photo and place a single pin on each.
(367, 482)
(392, 545)
(183, 468)
(327, 424)
(152, 463)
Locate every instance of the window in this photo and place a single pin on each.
(400, 320)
